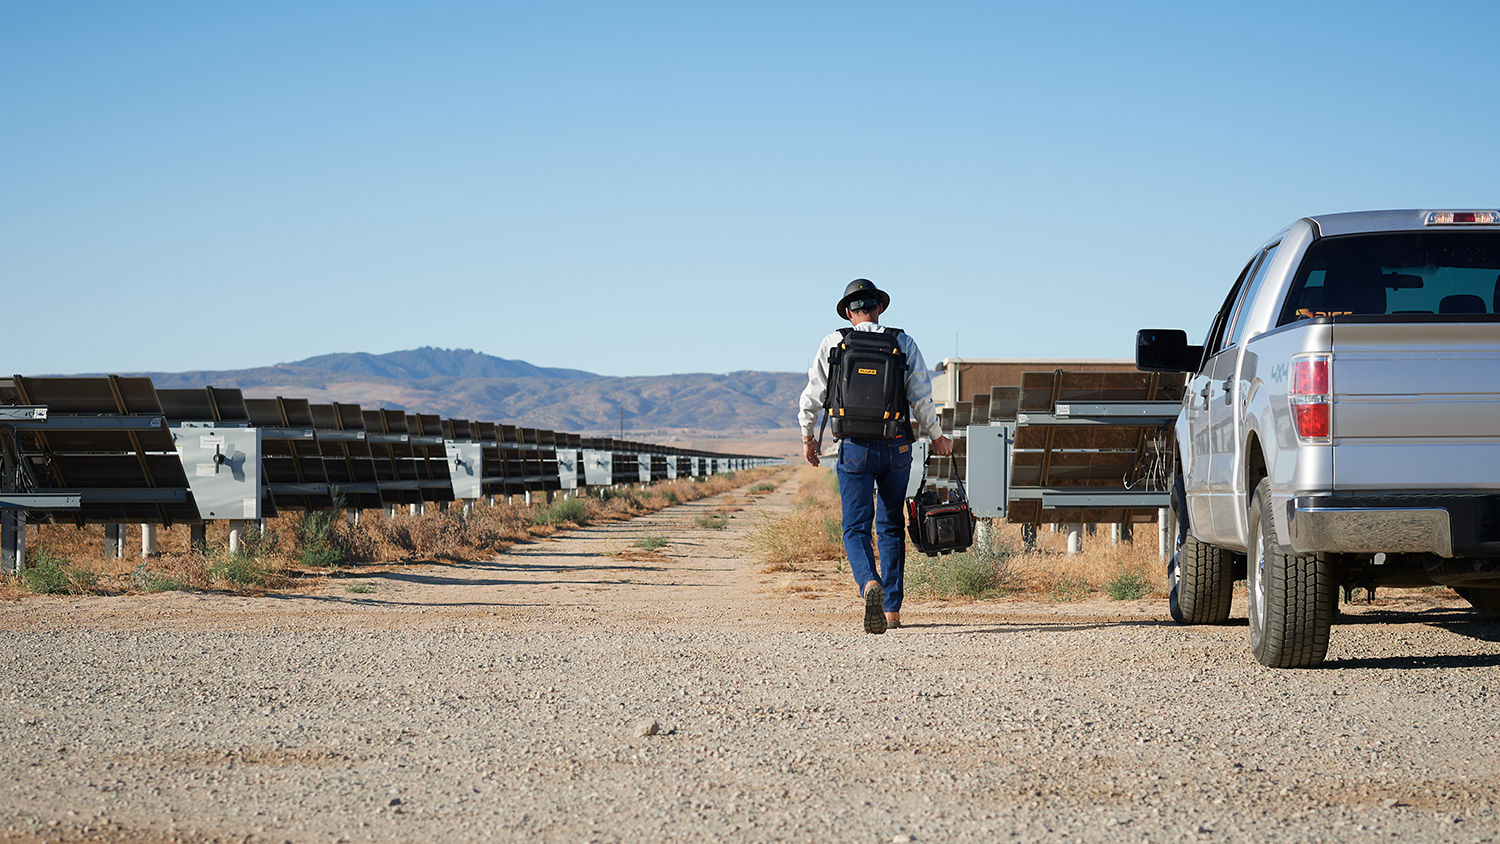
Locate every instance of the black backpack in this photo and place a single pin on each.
(867, 386)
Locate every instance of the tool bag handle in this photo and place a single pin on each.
(963, 494)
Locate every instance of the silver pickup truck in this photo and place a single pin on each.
(1341, 425)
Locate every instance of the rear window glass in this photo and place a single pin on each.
(1402, 273)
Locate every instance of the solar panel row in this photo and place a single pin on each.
(115, 449)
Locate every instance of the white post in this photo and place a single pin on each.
(1163, 533)
(468, 507)
(113, 546)
(982, 530)
(148, 540)
(412, 508)
(1115, 532)
(236, 535)
(352, 517)
(1075, 538)
(390, 511)
(528, 498)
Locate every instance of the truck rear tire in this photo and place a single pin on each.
(1200, 577)
(1291, 596)
(1486, 599)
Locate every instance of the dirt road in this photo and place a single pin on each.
(506, 699)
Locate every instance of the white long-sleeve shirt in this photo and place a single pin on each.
(918, 385)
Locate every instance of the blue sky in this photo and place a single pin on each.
(645, 188)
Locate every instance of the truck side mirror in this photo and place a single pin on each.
(1165, 350)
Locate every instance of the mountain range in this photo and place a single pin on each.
(466, 384)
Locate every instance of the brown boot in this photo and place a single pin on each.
(874, 600)
(892, 620)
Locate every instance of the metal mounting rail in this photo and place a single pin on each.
(40, 501)
(81, 422)
(1083, 498)
(288, 433)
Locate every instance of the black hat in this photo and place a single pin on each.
(862, 295)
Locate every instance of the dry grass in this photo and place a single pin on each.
(810, 535)
(279, 559)
(807, 534)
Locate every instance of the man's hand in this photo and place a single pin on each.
(942, 446)
(810, 451)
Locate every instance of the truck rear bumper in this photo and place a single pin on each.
(1448, 525)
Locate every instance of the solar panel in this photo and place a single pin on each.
(103, 438)
(347, 460)
(1084, 443)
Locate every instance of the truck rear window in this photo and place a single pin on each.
(1398, 273)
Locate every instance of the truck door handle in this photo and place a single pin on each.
(1228, 396)
(1203, 394)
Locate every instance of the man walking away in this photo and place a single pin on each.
(873, 382)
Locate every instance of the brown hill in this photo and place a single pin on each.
(465, 384)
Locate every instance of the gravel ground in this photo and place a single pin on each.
(569, 691)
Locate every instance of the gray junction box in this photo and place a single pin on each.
(465, 460)
(988, 480)
(567, 468)
(598, 467)
(223, 468)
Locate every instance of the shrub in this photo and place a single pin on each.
(151, 581)
(1071, 589)
(651, 543)
(713, 521)
(762, 489)
(977, 573)
(48, 574)
(1127, 587)
(238, 570)
(318, 537)
(568, 510)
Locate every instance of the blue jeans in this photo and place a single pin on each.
(872, 487)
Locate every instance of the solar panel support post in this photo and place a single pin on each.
(236, 535)
(1163, 534)
(1075, 538)
(148, 541)
(198, 537)
(13, 541)
(114, 540)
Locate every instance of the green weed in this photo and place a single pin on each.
(239, 570)
(651, 543)
(976, 573)
(359, 588)
(568, 510)
(1127, 587)
(48, 574)
(713, 521)
(150, 581)
(1071, 589)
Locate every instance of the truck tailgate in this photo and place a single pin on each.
(1416, 405)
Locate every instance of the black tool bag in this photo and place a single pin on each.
(867, 386)
(938, 527)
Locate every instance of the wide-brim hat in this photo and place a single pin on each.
(861, 288)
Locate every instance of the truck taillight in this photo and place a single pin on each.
(1312, 400)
